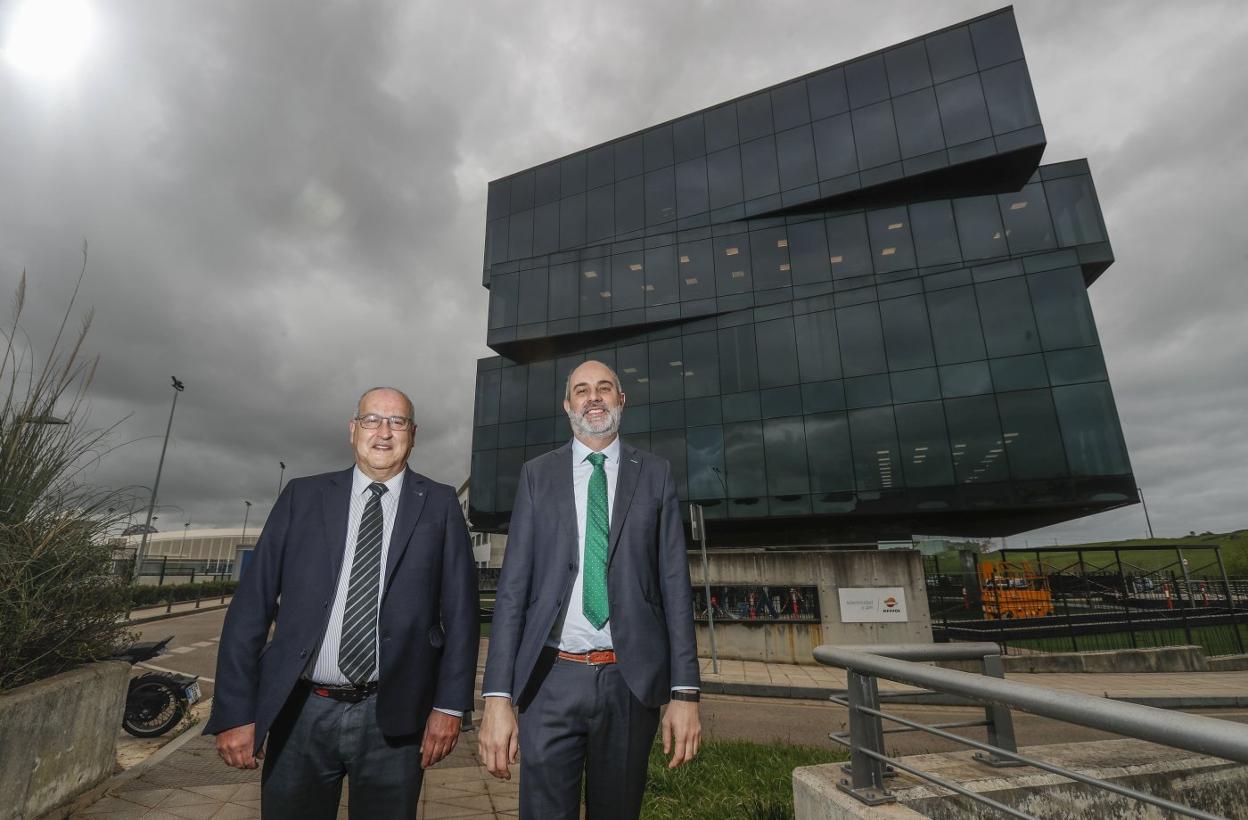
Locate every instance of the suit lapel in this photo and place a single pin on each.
(335, 507)
(625, 486)
(411, 504)
(565, 498)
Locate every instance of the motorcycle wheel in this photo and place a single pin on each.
(153, 707)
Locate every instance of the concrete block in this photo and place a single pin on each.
(816, 797)
(58, 737)
(1055, 662)
(1229, 663)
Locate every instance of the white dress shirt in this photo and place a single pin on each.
(325, 669)
(576, 634)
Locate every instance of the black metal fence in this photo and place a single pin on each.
(1097, 605)
(162, 569)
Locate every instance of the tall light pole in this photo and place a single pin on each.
(1146, 518)
(185, 529)
(246, 514)
(280, 476)
(178, 387)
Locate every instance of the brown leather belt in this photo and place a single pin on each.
(350, 694)
(596, 657)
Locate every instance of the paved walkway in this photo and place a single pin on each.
(186, 780)
(192, 783)
(1170, 690)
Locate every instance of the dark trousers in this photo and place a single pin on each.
(316, 741)
(584, 719)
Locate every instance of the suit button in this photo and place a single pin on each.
(324, 604)
(303, 654)
(571, 566)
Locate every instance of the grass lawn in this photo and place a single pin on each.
(729, 780)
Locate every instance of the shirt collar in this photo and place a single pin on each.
(360, 482)
(611, 451)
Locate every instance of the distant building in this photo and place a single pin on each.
(849, 307)
(487, 547)
(195, 545)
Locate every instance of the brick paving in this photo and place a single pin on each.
(193, 784)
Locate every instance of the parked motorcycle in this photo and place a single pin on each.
(156, 701)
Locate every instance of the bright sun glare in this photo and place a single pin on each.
(47, 38)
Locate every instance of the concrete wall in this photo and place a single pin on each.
(1157, 659)
(58, 737)
(829, 571)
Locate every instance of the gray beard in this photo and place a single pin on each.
(608, 426)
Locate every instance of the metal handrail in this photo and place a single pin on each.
(1194, 733)
(897, 662)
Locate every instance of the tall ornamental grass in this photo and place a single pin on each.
(60, 604)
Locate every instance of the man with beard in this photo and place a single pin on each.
(593, 624)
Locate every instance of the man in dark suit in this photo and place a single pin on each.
(372, 661)
(593, 623)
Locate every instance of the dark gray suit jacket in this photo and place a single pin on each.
(428, 612)
(647, 577)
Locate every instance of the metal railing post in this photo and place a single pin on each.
(1127, 594)
(866, 734)
(1000, 721)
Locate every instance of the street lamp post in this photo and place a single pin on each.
(246, 514)
(697, 523)
(185, 529)
(178, 387)
(280, 476)
(1146, 518)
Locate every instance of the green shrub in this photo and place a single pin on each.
(60, 604)
(148, 596)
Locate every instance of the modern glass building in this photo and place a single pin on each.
(849, 307)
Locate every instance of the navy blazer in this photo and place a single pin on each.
(428, 620)
(648, 585)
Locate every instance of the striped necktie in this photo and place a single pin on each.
(357, 649)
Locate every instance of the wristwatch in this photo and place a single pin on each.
(691, 697)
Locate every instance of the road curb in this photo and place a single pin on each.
(773, 690)
(89, 797)
(164, 616)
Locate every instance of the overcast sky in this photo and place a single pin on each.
(285, 203)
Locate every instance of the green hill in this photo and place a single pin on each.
(1200, 562)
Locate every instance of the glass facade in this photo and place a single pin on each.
(851, 305)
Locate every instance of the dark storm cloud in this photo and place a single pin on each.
(285, 204)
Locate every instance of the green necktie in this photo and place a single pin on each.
(597, 525)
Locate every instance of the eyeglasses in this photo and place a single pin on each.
(372, 421)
